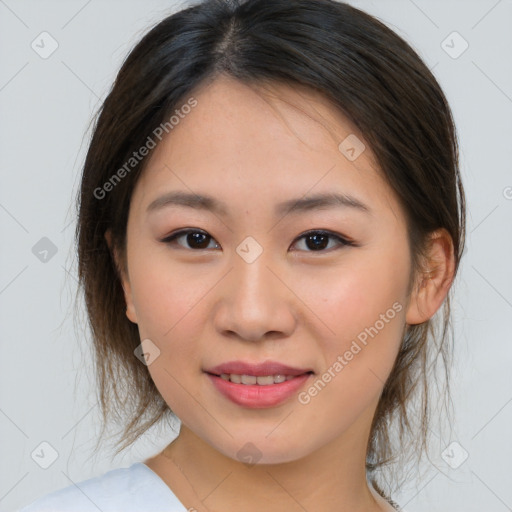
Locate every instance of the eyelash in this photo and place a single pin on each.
(171, 239)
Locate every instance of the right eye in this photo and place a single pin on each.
(197, 239)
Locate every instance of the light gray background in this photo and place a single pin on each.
(45, 108)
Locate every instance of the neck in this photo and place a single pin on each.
(337, 482)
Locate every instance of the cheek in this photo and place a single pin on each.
(169, 303)
(361, 305)
(162, 293)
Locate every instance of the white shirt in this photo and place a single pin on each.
(133, 489)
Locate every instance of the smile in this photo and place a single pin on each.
(270, 391)
(261, 380)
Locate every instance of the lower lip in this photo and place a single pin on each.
(256, 396)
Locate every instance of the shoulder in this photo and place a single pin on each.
(129, 489)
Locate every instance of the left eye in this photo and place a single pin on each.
(316, 240)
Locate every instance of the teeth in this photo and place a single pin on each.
(248, 379)
(263, 380)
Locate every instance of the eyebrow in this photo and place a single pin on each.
(205, 202)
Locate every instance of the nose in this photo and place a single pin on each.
(255, 302)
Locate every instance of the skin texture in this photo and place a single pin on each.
(252, 148)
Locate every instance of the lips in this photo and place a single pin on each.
(265, 368)
(259, 396)
(249, 384)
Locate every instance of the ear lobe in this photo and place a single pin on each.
(433, 282)
(125, 282)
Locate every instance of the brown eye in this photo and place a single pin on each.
(194, 238)
(317, 241)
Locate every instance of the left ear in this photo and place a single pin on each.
(433, 280)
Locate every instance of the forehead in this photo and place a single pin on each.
(260, 144)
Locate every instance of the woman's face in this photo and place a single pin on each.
(249, 285)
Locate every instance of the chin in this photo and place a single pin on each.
(260, 449)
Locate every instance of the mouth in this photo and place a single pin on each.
(258, 385)
(263, 373)
(260, 380)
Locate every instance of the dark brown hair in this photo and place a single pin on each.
(370, 74)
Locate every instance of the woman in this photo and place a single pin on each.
(270, 216)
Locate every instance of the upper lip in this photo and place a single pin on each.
(256, 369)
